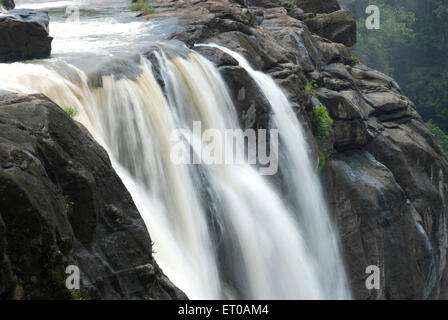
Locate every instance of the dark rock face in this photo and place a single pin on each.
(24, 35)
(380, 227)
(385, 176)
(9, 4)
(338, 26)
(61, 204)
(325, 6)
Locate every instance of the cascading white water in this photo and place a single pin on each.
(303, 184)
(220, 231)
(132, 120)
(270, 253)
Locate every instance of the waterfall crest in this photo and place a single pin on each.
(219, 231)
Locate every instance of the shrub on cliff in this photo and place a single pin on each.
(440, 135)
(72, 112)
(321, 122)
(144, 6)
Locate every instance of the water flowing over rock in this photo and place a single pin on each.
(61, 204)
(24, 35)
(385, 175)
(199, 214)
(223, 232)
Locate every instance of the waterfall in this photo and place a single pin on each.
(305, 191)
(219, 231)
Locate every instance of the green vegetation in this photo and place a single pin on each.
(322, 160)
(440, 135)
(186, 34)
(72, 112)
(49, 277)
(79, 295)
(310, 86)
(411, 45)
(144, 6)
(292, 3)
(152, 247)
(68, 204)
(378, 48)
(321, 122)
(355, 60)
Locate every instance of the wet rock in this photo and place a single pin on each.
(61, 204)
(218, 57)
(9, 4)
(252, 107)
(24, 35)
(378, 227)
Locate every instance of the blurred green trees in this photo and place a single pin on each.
(411, 46)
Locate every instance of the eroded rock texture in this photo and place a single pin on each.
(61, 204)
(385, 175)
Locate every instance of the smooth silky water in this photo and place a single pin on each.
(219, 231)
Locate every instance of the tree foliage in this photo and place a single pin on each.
(440, 135)
(412, 46)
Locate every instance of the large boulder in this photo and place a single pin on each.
(61, 204)
(24, 35)
(314, 6)
(338, 26)
(9, 4)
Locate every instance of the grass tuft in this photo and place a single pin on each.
(72, 112)
(144, 6)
